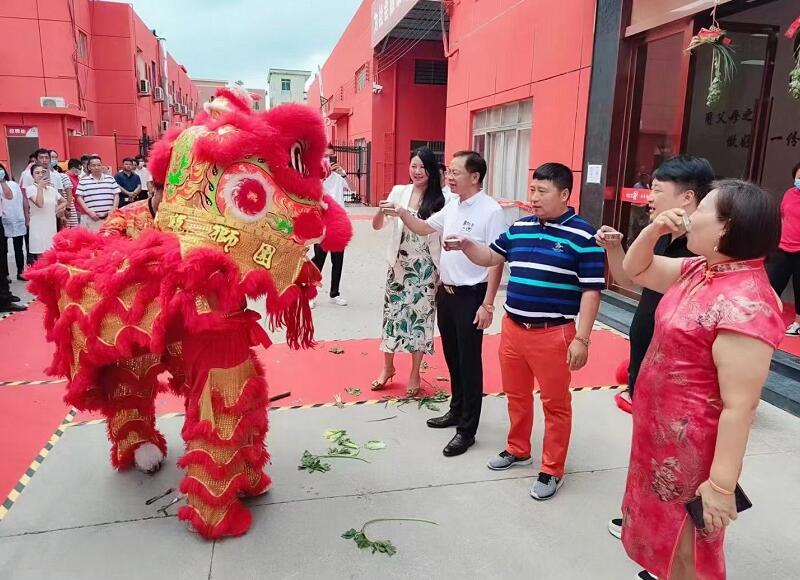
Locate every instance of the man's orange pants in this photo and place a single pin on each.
(538, 354)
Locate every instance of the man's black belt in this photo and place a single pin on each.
(541, 325)
(451, 289)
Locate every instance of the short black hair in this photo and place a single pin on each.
(795, 169)
(41, 152)
(131, 159)
(54, 151)
(558, 173)
(473, 162)
(7, 177)
(139, 157)
(689, 172)
(74, 164)
(93, 157)
(32, 157)
(753, 219)
(84, 158)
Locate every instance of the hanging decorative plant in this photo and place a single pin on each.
(723, 65)
(794, 74)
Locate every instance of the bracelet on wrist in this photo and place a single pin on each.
(719, 489)
(584, 341)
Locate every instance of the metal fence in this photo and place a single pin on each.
(355, 159)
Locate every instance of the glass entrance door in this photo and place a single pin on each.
(659, 72)
(732, 134)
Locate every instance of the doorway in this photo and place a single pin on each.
(21, 141)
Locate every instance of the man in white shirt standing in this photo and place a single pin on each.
(465, 299)
(98, 195)
(334, 185)
(144, 174)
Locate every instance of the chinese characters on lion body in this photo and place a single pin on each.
(242, 202)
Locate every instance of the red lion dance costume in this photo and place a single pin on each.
(242, 202)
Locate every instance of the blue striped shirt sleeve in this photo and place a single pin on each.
(502, 244)
(591, 266)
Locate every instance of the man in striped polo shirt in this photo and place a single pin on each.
(97, 195)
(557, 272)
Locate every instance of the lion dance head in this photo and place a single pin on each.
(248, 184)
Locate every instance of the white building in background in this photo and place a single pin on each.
(287, 86)
(207, 87)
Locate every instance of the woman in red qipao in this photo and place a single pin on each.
(716, 329)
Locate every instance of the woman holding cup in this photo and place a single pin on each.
(45, 205)
(409, 301)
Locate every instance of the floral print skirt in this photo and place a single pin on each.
(409, 302)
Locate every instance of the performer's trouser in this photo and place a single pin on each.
(337, 261)
(226, 422)
(538, 353)
(131, 387)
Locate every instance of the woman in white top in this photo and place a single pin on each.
(15, 217)
(46, 205)
(409, 302)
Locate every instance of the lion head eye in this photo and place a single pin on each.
(296, 159)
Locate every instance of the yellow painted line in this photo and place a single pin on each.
(36, 464)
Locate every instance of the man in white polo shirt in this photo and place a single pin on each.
(98, 195)
(465, 300)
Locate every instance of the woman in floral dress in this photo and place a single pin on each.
(700, 383)
(409, 302)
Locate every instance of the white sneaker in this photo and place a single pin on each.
(312, 304)
(339, 301)
(793, 330)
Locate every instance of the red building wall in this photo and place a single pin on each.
(390, 119)
(507, 50)
(39, 57)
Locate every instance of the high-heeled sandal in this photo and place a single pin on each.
(376, 385)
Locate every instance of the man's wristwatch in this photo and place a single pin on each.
(584, 341)
(488, 307)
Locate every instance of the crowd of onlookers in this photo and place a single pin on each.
(49, 195)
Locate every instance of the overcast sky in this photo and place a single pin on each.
(241, 39)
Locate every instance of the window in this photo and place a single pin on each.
(256, 105)
(286, 84)
(154, 73)
(361, 79)
(436, 146)
(83, 46)
(503, 136)
(430, 72)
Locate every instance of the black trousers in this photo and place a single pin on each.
(781, 267)
(19, 253)
(337, 259)
(462, 344)
(3, 252)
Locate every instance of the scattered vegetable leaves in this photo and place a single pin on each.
(427, 400)
(378, 546)
(336, 350)
(354, 391)
(337, 400)
(374, 445)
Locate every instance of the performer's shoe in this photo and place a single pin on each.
(148, 458)
(12, 307)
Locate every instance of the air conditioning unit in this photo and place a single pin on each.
(144, 87)
(181, 108)
(170, 101)
(53, 102)
(158, 94)
(164, 126)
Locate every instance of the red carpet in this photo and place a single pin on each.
(24, 352)
(28, 417)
